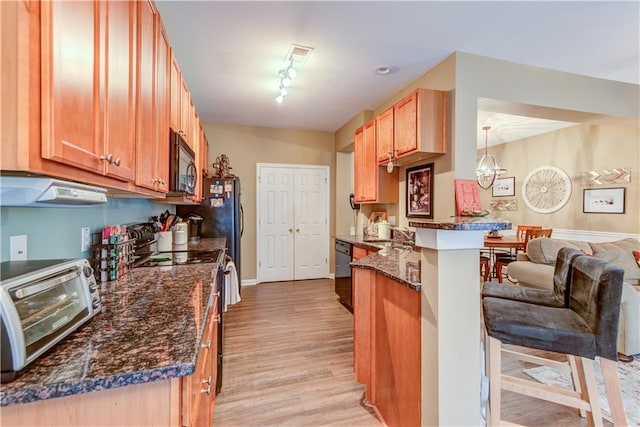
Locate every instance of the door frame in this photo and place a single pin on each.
(258, 211)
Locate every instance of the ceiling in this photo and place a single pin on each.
(230, 53)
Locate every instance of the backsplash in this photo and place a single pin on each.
(54, 233)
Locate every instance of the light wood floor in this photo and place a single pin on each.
(289, 362)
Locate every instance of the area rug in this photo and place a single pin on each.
(629, 382)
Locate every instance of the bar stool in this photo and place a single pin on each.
(585, 328)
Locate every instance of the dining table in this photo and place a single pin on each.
(503, 244)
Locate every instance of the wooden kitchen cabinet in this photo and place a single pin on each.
(86, 93)
(152, 142)
(419, 125)
(384, 135)
(87, 64)
(199, 388)
(162, 93)
(174, 94)
(371, 183)
(387, 346)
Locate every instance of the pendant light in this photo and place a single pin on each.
(486, 165)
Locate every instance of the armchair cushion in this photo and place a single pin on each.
(545, 251)
(620, 253)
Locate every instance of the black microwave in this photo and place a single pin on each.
(183, 174)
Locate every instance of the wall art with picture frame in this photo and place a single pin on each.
(420, 191)
(503, 187)
(604, 200)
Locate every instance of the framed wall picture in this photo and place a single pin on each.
(604, 200)
(504, 187)
(420, 191)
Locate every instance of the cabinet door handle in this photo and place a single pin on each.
(216, 318)
(207, 381)
(206, 390)
(117, 161)
(108, 158)
(290, 230)
(207, 345)
(297, 230)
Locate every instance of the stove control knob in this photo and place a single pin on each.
(93, 287)
(95, 303)
(87, 271)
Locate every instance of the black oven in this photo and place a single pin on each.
(183, 174)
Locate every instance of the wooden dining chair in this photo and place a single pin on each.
(536, 234)
(503, 260)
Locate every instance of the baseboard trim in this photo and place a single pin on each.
(249, 282)
(253, 282)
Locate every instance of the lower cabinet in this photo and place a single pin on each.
(175, 402)
(199, 388)
(387, 346)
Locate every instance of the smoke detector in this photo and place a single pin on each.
(298, 54)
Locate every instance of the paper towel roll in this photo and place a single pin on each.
(384, 230)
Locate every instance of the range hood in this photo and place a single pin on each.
(44, 192)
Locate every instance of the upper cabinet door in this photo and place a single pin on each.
(146, 130)
(370, 163)
(120, 112)
(162, 105)
(384, 135)
(71, 84)
(405, 129)
(174, 96)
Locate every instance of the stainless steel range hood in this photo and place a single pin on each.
(44, 192)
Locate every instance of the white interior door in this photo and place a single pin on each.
(293, 227)
(310, 223)
(275, 224)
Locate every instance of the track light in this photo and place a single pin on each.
(286, 76)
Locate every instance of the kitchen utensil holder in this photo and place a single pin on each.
(113, 260)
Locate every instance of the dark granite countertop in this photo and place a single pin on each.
(370, 244)
(401, 265)
(150, 329)
(464, 223)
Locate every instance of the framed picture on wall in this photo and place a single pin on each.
(504, 187)
(604, 200)
(420, 191)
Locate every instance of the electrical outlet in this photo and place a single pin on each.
(85, 239)
(18, 247)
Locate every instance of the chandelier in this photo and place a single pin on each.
(487, 168)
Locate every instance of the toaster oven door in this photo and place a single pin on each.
(48, 310)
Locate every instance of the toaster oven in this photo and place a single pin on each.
(41, 302)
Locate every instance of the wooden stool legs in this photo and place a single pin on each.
(584, 396)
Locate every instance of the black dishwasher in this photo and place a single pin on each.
(343, 273)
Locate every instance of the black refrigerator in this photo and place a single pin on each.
(222, 214)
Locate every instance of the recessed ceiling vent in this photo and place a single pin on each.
(298, 54)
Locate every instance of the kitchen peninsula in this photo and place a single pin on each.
(417, 334)
(134, 364)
